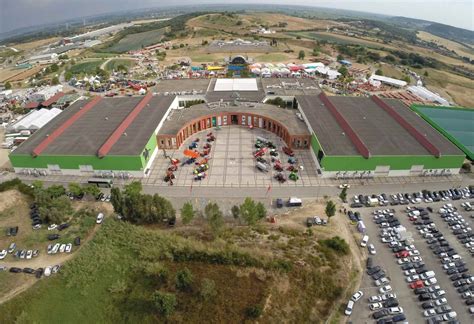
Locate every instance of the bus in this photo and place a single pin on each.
(101, 183)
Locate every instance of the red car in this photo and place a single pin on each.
(260, 152)
(417, 284)
(402, 254)
(288, 151)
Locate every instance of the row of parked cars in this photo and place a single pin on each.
(459, 226)
(48, 271)
(36, 220)
(452, 262)
(59, 248)
(426, 196)
(385, 305)
(419, 278)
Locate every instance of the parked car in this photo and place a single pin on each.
(100, 218)
(77, 241)
(3, 254)
(53, 237)
(371, 249)
(63, 226)
(356, 296)
(349, 307)
(15, 270)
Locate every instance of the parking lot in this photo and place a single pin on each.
(231, 162)
(385, 258)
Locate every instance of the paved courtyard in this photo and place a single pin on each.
(232, 163)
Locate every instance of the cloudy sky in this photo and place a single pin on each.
(23, 13)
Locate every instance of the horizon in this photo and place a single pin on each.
(33, 10)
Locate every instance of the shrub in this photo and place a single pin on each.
(253, 311)
(208, 289)
(184, 279)
(336, 243)
(164, 302)
(187, 212)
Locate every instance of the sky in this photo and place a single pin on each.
(25, 13)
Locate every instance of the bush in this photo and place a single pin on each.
(254, 311)
(184, 279)
(208, 289)
(187, 212)
(336, 243)
(165, 303)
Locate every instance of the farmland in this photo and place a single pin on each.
(132, 42)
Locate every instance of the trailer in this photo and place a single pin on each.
(294, 202)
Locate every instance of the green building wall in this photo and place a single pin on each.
(396, 162)
(110, 162)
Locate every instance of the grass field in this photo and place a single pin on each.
(460, 49)
(338, 39)
(294, 23)
(134, 42)
(113, 277)
(114, 63)
(459, 88)
(273, 57)
(87, 67)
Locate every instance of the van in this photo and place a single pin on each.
(262, 167)
(294, 202)
(364, 241)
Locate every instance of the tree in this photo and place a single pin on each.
(134, 188)
(330, 209)
(55, 80)
(214, 217)
(343, 70)
(340, 57)
(406, 78)
(316, 51)
(208, 289)
(68, 75)
(235, 210)
(37, 184)
(91, 190)
(187, 212)
(343, 194)
(56, 210)
(54, 67)
(164, 302)
(301, 55)
(252, 212)
(116, 200)
(184, 279)
(8, 85)
(426, 73)
(75, 189)
(379, 72)
(56, 191)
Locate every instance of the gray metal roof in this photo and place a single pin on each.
(88, 133)
(376, 128)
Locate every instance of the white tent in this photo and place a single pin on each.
(389, 81)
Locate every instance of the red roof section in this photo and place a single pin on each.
(107, 146)
(355, 139)
(410, 129)
(53, 99)
(58, 131)
(32, 105)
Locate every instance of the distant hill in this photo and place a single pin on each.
(449, 32)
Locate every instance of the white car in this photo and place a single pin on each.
(389, 296)
(375, 299)
(416, 259)
(62, 248)
(441, 301)
(50, 248)
(68, 248)
(395, 310)
(439, 293)
(52, 227)
(381, 281)
(403, 260)
(449, 265)
(414, 252)
(349, 307)
(100, 218)
(449, 316)
(3, 254)
(47, 271)
(344, 185)
(412, 278)
(358, 295)
(430, 282)
(371, 249)
(364, 241)
(429, 313)
(55, 248)
(409, 272)
(385, 289)
(29, 254)
(375, 306)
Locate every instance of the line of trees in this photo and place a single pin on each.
(139, 208)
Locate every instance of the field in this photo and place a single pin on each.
(87, 67)
(134, 42)
(338, 39)
(35, 44)
(459, 88)
(20, 75)
(460, 49)
(114, 63)
(294, 23)
(278, 273)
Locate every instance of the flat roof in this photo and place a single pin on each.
(290, 86)
(182, 85)
(455, 123)
(382, 134)
(286, 117)
(88, 133)
(236, 85)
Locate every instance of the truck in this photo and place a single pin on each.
(294, 202)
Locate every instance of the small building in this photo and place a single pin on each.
(389, 81)
(46, 93)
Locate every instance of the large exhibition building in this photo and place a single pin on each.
(349, 136)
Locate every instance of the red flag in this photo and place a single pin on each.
(191, 188)
(269, 188)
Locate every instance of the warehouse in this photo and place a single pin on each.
(456, 123)
(364, 137)
(96, 135)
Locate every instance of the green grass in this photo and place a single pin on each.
(275, 57)
(134, 42)
(334, 39)
(100, 55)
(88, 67)
(113, 64)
